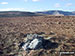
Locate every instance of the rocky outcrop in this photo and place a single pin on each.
(34, 42)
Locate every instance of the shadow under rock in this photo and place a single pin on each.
(49, 45)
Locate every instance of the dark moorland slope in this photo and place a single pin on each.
(17, 13)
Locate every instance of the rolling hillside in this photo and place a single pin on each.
(16, 13)
(65, 13)
(20, 13)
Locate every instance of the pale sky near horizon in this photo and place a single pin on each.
(37, 5)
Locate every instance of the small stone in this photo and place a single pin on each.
(52, 33)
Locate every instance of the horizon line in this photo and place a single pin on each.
(39, 10)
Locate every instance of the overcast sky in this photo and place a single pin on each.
(37, 5)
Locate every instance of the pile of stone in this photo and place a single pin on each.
(34, 41)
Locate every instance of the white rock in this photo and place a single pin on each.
(34, 44)
(25, 47)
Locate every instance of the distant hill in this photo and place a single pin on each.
(20, 13)
(58, 12)
(16, 13)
